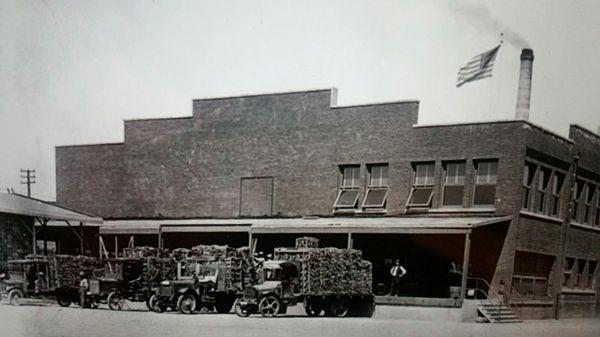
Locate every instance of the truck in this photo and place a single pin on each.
(123, 279)
(199, 286)
(45, 276)
(336, 282)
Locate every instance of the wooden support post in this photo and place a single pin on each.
(44, 223)
(81, 238)
(34, 248)
(350, 241)
(465, 268)
(249, 239)
(116, 246)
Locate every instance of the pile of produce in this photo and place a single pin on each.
(329, 270)
(69, 266)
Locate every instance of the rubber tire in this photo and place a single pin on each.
(268, 302)
(313, 310)
(150, 301)
(187, 304)
(116, 298)
(239, 310)
(339, 308)
(15, 296)
(63, 300)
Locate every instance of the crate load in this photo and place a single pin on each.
(66, 268)
(145, 251)
(329, 270)
(307, 242)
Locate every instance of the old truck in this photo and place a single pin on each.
(43, 277)
(199, 286)
(125, 279)
(334, 281)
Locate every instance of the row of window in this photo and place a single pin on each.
(423, 180)
(579, 274)
(532, 272)
(542, 190)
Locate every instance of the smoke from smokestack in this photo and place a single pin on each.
(481, 15)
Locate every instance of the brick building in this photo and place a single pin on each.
(489, 196)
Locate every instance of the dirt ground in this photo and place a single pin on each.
(51, 320)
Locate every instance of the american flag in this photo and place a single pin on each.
(478, 67)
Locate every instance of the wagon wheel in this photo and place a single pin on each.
(313, 309)
(63, 299)
(339, 308)
(150, 302)
(15, 296)
(269, 306)
(115, 301)
(240, 310)
(187, 304)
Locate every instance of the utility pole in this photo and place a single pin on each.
(28, 177)
(564, 233)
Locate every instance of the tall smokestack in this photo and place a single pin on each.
(524, 94)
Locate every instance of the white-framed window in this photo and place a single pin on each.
(588, 204)
(531, 273)
(529, 171)
(454, 183)
(378, 177)
(422, 190)
(543, 179)
(580, 188)
(486, 177)
(347, 197)
(597, 215)
(558, 179)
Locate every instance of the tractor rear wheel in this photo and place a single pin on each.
(63, 299)
(15, 296)
(339, 308)
(313, 309)
(240, 310)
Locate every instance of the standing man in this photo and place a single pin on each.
(84, 285)
(397, 272)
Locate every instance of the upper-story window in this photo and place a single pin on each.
(588, 204)
(558, 180)
(486, 176)
(347, 197)
(528, 177)
(543, 179)
(422, 190)
(577, 198)
(454, 183)
(597, 216)
(377, 188)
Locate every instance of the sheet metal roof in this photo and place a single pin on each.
(22, 205)
(303, 225)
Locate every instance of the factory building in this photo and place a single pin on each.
(486, 201)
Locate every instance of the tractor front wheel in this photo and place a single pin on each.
(187, 304)
(15, 296)
(269, 306)
(115, 301)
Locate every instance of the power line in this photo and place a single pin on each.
(28, 177)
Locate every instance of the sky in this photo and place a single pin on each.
(72, 71)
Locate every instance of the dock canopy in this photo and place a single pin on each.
(408, 225)
(22, 205)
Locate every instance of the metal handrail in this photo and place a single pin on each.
(507, 300)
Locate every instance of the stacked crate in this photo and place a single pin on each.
(329, 270)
